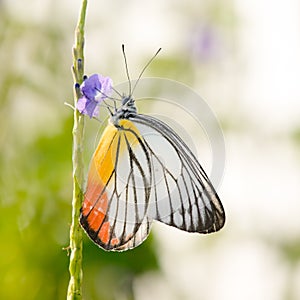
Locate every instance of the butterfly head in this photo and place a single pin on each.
(126, 110)
(127, 101)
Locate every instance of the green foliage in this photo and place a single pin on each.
(110, 274)
(36, 211)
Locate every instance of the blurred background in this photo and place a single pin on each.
(242, 57)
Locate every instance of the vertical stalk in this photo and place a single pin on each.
(75, 265)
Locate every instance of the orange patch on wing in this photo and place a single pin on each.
(104, 234)
(104, 158)
(95, 198)
(95, 201)
(95, 219)
(115, 241)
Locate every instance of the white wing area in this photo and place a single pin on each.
(181, 193)
(141, 234)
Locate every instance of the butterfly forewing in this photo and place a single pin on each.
(181, 193)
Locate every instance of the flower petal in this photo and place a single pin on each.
(91, 86)
(94, 89)
(81, 103)
(92, 108)
(106, 84)
(88, 107)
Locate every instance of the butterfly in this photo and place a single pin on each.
(140, 172)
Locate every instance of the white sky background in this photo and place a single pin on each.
(260, 190)
(270, 41)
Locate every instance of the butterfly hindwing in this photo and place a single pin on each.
(114, 212)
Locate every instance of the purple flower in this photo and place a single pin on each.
(205, 42)
(94, 90)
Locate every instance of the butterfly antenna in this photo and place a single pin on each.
(144, 69)
(126, 67)
(116, 93)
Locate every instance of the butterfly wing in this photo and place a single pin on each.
(114, 211)
(143, 171)
(181, 193)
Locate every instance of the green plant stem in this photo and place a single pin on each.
(75, 266)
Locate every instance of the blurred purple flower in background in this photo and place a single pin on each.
(94, 89)
(204, 42)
